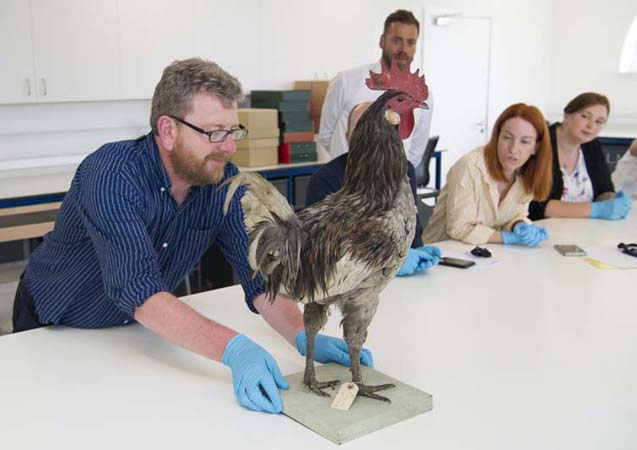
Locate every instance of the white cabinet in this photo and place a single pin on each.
(17, 77)
(152, 36)
(87, 50)
(76, 49)
(59, 50)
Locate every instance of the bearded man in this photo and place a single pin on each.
(137, 218)
(397, 43)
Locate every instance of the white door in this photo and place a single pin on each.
(457, 61)
(16, 76)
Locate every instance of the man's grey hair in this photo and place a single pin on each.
(182, 79)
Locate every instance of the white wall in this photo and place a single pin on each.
(585, 57)
(285, 40)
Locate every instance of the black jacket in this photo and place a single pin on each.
(596, 166)
(330, 177)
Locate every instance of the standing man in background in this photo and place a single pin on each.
(348, 89)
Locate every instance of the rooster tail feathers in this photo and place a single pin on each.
(275, 251)
(275, 233)
(262, 197)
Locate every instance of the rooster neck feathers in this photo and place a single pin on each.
(375, 168)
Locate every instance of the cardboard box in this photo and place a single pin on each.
(297, 153)
(293, 137)
(318, 89)
(267, 156)
(249, 144)
(261, 123)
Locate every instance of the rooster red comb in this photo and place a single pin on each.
(397, 80)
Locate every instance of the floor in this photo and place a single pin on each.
(9, 274)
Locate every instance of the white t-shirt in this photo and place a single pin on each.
(347, 90)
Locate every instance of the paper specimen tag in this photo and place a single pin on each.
(345, 396)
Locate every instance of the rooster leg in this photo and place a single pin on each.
(314, 317)
(357, 317)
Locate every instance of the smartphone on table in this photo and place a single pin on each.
(569, 250)
(456, 262)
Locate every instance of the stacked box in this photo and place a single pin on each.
(261, 146)
(297, 129)
(299, 152)
(318, 90)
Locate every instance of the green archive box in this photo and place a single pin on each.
(303, 152)
(297, 95)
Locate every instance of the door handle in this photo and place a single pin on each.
(27, 86)
(42, 86)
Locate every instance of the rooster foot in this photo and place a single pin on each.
(318, 386)
(368, 391)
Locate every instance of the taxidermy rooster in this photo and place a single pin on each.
(344, 249)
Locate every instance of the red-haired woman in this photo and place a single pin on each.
(582, 185)
(488, 191)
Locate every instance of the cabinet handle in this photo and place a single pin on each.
(27, 85)
(42, 86)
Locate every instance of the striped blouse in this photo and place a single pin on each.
(468, 208)
(121, 238)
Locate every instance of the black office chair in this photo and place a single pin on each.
(422, 180)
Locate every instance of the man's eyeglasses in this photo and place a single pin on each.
(217, 135)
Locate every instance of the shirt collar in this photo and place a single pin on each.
(155, 160)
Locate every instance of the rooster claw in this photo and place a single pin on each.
(318, 386)
(368, 391)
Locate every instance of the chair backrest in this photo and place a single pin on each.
(422, 171)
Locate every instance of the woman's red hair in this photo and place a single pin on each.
(537, 172)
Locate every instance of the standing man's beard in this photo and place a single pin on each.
(401, 63)
(196, 172)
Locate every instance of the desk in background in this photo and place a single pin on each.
(35, 193)
(22, 187)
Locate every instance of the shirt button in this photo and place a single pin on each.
(126, 321)
(165, 244)
(163, 189)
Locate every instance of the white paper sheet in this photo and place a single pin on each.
(612, 256)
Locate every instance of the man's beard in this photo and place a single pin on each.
(401, 63)
(195, 172)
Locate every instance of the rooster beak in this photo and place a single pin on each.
(424, 105)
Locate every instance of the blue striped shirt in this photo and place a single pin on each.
(120, 238)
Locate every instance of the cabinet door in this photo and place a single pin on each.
(76, 49)
(16, 75)
(153, 34)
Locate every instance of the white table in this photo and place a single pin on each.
(536, 352)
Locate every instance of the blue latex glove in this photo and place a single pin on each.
(331, 349)
(419, 259)
(613, 209)
(525, 234)
(254, 372)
